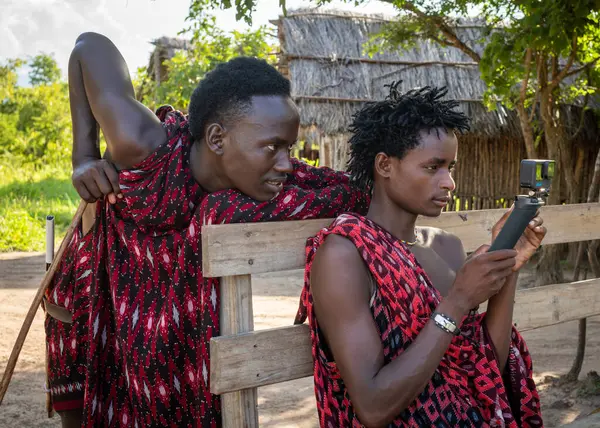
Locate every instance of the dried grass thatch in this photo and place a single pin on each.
(165, 49)
(323, 55)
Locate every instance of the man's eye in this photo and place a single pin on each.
(272, 147)
(432, 167)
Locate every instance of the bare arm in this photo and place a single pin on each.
(499, 318)
(85, 128)
(311, 177)
(293, 203)
(341, 297)
(499, 313)
(102, 94)
(451, 248)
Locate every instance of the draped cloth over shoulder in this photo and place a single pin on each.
(466, 390)
(149, 312)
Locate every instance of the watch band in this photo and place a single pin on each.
(445, 323)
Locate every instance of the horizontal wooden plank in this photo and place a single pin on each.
(554, 304)
(259, 358)
(238, 249)
(276, 355)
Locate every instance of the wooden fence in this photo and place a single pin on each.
(243, 360)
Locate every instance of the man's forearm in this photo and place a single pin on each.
(327, 202)
(310, 177)
(85, 128)
(398, 383)
(499, 318)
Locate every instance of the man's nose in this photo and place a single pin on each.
(284, 164)
(448, 183)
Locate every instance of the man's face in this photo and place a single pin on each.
(256, 147)
(421, 182)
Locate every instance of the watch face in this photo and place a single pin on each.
(445, 323)
(449, 325)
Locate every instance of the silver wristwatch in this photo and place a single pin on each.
(445, 323)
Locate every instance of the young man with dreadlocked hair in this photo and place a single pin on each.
(397, 337)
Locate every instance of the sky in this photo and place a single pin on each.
(28, 27)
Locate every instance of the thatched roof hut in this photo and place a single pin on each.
(164, 49)
(323, 54)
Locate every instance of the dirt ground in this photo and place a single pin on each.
(288, 404)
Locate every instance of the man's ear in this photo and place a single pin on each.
(383, 165)
(214, 138)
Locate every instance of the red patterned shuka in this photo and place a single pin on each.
(466, 390)
(150, 312)
(65, 342)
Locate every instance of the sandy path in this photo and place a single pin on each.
(288, 404)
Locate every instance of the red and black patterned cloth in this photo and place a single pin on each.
(467, 388)
(149, 313)
(65, 343)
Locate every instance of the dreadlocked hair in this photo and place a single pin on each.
(392, 126)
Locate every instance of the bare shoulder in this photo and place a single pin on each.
(337, 251)
(338, 269)
(447, 245)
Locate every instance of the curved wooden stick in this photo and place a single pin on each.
(14, 356)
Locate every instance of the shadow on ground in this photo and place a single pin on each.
(25, 402)
(278, 407)
(21, 270)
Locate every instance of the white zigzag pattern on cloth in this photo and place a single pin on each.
(63, 389)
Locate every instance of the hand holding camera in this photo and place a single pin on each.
(522, 226)
(515, 238)
(481, 276)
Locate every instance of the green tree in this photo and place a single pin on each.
(8, 78)
(243, 8)
(8, 85)
(210, 46)
(44, 70)
(35, 125)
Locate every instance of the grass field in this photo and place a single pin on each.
(27, 196)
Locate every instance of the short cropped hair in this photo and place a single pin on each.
(226, 91)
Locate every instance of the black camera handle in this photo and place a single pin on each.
(524, 211)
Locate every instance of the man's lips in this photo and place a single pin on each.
(441, 201)
(277, 184)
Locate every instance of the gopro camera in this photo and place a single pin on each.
(535, 175)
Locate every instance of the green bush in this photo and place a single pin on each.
(27, 196)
